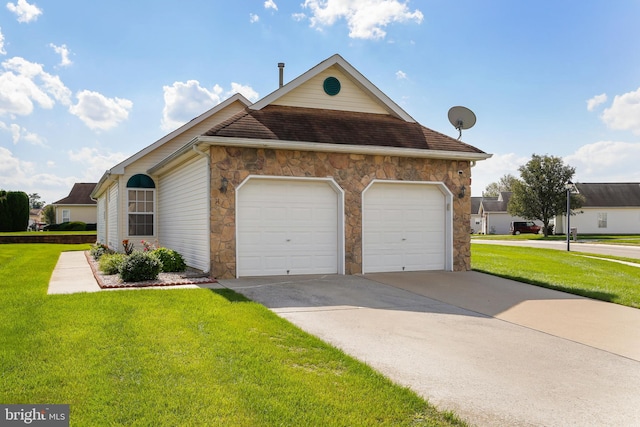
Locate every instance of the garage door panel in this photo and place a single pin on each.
(403, 227)
(299, 224)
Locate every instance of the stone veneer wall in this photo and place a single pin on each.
(353, 172)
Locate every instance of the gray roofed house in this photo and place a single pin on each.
(608, 208)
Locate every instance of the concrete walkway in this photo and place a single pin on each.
(72, 274)
(497, 352)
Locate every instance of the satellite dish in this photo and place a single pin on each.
(461, 118)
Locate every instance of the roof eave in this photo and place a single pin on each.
(315, 146)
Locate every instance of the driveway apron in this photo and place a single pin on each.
(471, 343)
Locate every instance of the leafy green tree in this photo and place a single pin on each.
(503, 184)
(49, 214)
(35, 202)
(541, 192)
(14, 210)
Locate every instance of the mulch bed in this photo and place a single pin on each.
(188, 277)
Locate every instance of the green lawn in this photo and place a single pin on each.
(178, 357)
(571, 272)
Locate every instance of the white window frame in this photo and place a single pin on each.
(602, 220)
(66, 215)
(145, 212)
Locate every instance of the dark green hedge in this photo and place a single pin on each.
(14, 210)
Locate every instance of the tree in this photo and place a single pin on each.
(541, 192)
(504, 184)
(35, 202)
(14, 210)
(49, 214)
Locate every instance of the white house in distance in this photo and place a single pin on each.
(325, 175)
(608, 208)
(494, 216)
(78, 205)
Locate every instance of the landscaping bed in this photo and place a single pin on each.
(190, 276)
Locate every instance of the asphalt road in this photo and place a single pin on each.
(579, 246)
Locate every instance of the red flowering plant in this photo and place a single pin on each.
(128, 247)
(147, 246)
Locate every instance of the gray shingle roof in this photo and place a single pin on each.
(613, 194)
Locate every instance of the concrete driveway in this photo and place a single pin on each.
(496, 352)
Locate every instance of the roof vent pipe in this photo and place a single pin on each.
(281, 67)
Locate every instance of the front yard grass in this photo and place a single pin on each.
(609, 239)
(179, 357)
(570, 272)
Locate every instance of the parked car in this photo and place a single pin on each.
(518, 227)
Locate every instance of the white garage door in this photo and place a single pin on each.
(287, 227)
(404, 227)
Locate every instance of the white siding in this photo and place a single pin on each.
(619, 221)
(141, 165)
(113, 240)
(311, 95)
(183, 212)
(101, 225)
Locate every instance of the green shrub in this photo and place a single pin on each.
(140, 266)
(73, 226)
(99, 249)
(112, 263)
(172, 261)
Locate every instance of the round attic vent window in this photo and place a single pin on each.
(331, 86)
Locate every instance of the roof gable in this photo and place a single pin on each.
(80, 195)
(357, 92)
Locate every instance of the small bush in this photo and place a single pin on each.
(73, 226)
(172, 261)
(140, 266)
(99, 249)
(112, 263)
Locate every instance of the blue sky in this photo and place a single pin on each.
(83, 85)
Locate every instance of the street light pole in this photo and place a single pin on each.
(569, 184)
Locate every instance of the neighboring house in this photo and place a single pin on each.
(35, 220)
(495, 218)
(78, 205)
(326, 175)
(476, 218)
(608, 208)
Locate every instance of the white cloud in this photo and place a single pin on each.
(606, 161)
(184, 101)
(99, 112)
(95, 161)
(26, 12)
(63, 52)
(624, 113)
(298, 16)
(246, 91)
(19, 175)
(366, 19)
(19, 133)
(2, 51)
(401, 75)
(491, 170)
(253, 18)
(270, 4)
(24, 83)
(595, 101)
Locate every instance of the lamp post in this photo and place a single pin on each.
(569, 187)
